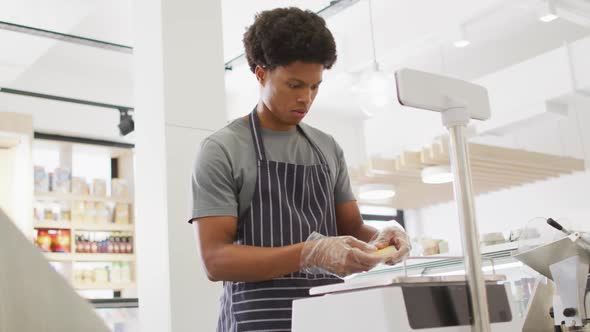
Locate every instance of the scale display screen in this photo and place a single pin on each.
(431, 306)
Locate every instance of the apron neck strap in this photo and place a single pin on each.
(257, 135)
(259, 144)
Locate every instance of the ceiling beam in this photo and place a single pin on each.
(66, 37)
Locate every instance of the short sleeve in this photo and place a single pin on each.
(342, 189)
(214, 192)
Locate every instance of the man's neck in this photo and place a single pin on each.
(269, 121)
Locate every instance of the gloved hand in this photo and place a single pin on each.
(337, 255)
(393, 235)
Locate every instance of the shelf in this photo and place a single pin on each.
(81, 226)
(58, 256)
(107, 285)
(53, 224)
(77, 257)
(52, 196)
(102, 227)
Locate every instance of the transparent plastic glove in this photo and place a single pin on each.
(337, 255)
(393, 235)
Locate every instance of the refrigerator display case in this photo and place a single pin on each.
(119, 314)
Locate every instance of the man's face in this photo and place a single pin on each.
(288, 91)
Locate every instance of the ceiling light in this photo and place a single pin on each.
(548, 18)
(376, 192)
(548, 13)
(375, 87)
(126, 123)
(374, 91)
(461, 38)
(461, 43)
(437, 174)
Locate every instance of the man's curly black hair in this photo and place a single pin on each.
(281, 36)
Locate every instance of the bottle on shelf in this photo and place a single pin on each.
(93, 243)
(115, 275)
(117, 244)
(110, 245)
(78, 243)
(125, 244)
(86, 243)
(130, 243)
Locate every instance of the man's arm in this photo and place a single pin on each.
(350, 222)
(224, 260)
(230, 262)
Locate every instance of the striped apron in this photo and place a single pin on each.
(289, 203)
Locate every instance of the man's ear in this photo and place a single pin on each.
(260, 74)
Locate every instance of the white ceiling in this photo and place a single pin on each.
(408, 33)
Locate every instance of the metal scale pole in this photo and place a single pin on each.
(455, 120)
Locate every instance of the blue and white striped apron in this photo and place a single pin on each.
(289, 203)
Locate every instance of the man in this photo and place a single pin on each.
(272, 199)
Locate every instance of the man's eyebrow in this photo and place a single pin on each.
(300, 81)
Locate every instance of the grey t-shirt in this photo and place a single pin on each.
(224, 174)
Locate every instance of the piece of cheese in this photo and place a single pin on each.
(386, 252)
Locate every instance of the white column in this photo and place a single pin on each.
(16, 169)
(179, 100)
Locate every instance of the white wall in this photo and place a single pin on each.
(566, 197)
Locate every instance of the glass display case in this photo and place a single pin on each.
(120, 315)
(496, 260)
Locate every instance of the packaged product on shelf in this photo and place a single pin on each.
(62, 241)
(102, 213)
(78, 208)
(116, 244)
(37, 213)
(48, 215)
(101, 275)
(85, 243)
(78, 242)
(93, 243)
(79, 186)
(88, 276)
(121, 213)
(66, 215)
(41, 180)
(89, 212)
(103, 245)
(62, 179)
(128, 242)
(99, 187)
(50, 179)
(119, 188)
(122, 244)
(78, 276)
(43, 240)
(115, 276)
(111, 244)
(125, 272)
